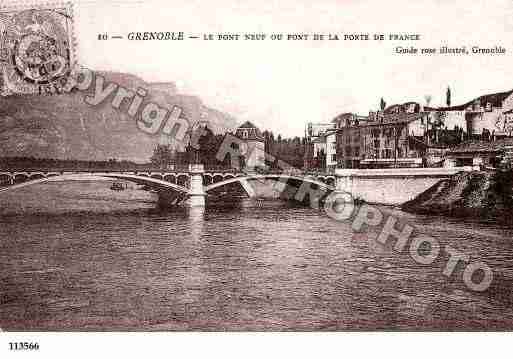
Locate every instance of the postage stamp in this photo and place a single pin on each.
(37, 52)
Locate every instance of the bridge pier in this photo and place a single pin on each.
(197, 192)
(247, 187)
(344, 180)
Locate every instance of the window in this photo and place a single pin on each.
(334, 158)
(348, 151)
(357, 151)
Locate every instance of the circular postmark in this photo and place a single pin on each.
(39, 50)
(38, 60)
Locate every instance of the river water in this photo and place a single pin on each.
(78, 256)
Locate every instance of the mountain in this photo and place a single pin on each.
(66, 127)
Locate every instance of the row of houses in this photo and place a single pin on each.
(413, 135)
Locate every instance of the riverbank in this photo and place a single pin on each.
(480, 194)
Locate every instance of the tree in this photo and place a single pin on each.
(163, 155)
(486, 135)
(448, 97)
(382, 104)
(208, 147)
(321, 158)
(428, 99)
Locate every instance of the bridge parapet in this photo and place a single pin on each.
(402, 172)
(385, 186)
(197, 192)
(391, 186)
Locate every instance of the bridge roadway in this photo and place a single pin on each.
(172, 187)
(383, 186)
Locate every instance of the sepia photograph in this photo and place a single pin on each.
(254, 168)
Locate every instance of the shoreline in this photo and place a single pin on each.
(480, 195)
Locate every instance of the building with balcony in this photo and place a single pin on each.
(315, 152)
(408, 134)
(393, 140)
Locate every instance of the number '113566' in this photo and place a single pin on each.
(23, 346)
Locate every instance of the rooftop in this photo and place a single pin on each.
(482, 146)
(495, 99)
(402, 107)
(251, 132)
(248, 124)
(396, 118)
(349, 115)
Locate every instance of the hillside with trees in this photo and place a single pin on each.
(289, 150)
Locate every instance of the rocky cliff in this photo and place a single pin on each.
(487, 195)
(65, 127)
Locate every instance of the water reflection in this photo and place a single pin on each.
(82, 263)
(196, 216)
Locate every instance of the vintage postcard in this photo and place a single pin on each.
(249, 166)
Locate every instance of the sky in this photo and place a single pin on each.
(282, 85)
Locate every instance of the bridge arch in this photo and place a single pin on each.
(207, 179)
(243, 180)
(5, 179)
(321, 179)
(217, 177)
(157, 184)
(157, 176)
(182, 179)
(20, 177)
(171, 178)
(36, 175)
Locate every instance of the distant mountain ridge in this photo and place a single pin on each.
(66, 127)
